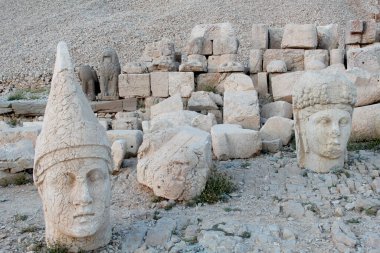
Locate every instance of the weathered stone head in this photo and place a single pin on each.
(109, 71)
(72, 165)
(322, 107)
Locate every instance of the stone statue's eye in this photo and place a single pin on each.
(95, 175)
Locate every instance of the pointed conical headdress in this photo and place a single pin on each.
(70, 129)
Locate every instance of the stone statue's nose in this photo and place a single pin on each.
(335, 130)
(82, 194)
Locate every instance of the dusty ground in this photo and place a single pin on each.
(276, 208)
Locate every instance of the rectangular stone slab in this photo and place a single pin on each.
(29, 108)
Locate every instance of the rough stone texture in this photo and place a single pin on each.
(109, 71)
(260, 36)
(255, 63)
(133, 139)
(210, 81)
(16, 134)
(193, 63)
(276, 66)
(355, 26)
(175, 163)
(160, 56)
(199, 45)
(242, 108)
(161, 233)
(277, 128)
(322, 107)
(182, 118)
(342, 236)
(278, 108)
(328, 36)
(366, 123)
(212, 31)
(134, 68)
(171, 104)
(134, 85)
(201, 100)
(262, 84)
(300, 36)
(214, 61)
(182, 83)
(282, 85)
(232, 141)
(89, 81)
(369, 32)
(367, 85)
(293, 209)
(237, 82)
(127, 123)
(313, 57)
(294, 58)
(225, 45)
(29, 108)
(367, 58)
(17, 156)
(231, 67)
(73, 147)
(159, 84)
(337, 56)
(275, 37)
(272, 146)
(118, 152)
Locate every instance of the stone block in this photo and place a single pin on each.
(176, 165)
(182, 83)
(260, 36)
(300, 36)
(201, 100)
(275, 37)
(367, 86)
(193, 63)
(134, 85)
(282, 85)
(199, 46)
(134, 138)
(316, 59)
(128, 123)
(355, 26)
(159, 84)
(17, 156)
(237, 82)
(232, 141)
(278, 108)
(294, 58)
(277, 66)
(218, 115)
(328, 36)
(150, 101)
(337, 56)
(351, 38)
(272, 146)
(277, 128)
(369, 32)
(214, 61)
(107, 106)
(366, 123)
(225, 45)
(118, 153)
(228, 67)
(29, 108)
(210, 82)
(16, 134)
(242, 108)
(367, 58)
(172, 104)
(255, 63)
(135, 68)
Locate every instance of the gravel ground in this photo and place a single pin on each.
(30, 30)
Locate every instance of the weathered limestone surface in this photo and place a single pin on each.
(134, 68)
(366, 123)
(171, 104)
(134, 85)
(29, 108)
(367, 84)
(231, 67)
(176, 162)
(89, 81)
(242, 108)
(316, 59)
(225, 45)
(237, 82)
(215, 62)
(160, 56)
(369, 32)
(193, 63)
(276, 66)
(294, 58)
(118, 151)
(282, 85)
(73, 147)
(300, 36)
(328, 36)
(109, 71)
(277, 108)
(232, 141)
(133, 139)
(159, 84)
(16, 134)
(182, 83)
(275, 37)
(260, 82)
(277, 128)
(201, 100)
(255, 63)
(210, 81)
(367, 58)
(322, 107)
(337, 56)
(17, 156)
(260, 36)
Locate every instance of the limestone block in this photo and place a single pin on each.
(231, 67)
(369, 32)
(105, 123)
(214, 61)
(300, 36)
(110, 106)
(218, 99)
(275, 37)
(130, 123)
(367, 86)
(366, 123)
(150, 101)
(282, 85)
(29, 108)
(260, 36)
(225, 45)
(5, 110)
(231, 141)
(237, 82)
(277, 128)
(182, 83)
(367, 58)
(199, 45)
(218, 115)
(163, 49)
(17, 156)
(328, 36)
(175, 163)
(355, 26)
(118, 152)
(134, 85)
(161, 233)
(16, 134)
(133, 138)
(201, 100)
(174, 103)
(255, 63)
(182, 118)
(159, 82)
(213, 31)
(351, 38)
(294, 58)
(337, 56)
(210, 82)
(278, 108)
(134, 68)
(314, 58)
(262, 84)
(276, 66)
(193, 63)
(272, 146)
(242, 108)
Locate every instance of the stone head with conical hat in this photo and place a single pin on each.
(72, 165)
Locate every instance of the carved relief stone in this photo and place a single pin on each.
(109, 71)
(322, 107)
(72, 165)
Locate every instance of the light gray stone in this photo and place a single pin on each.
(278, 108)
(260, 36)
(313, 58)
(275, 37)
(225, 45)
(337, 56)
(342, 236)
(133, 139)
(134, 85)
(278, 128)
(276, 66)
(134, 68)
(201, 100)
(182, 83)
(161, 233)
(193, 63)
(328, 36)
(300, 36)
(293, 209)
(118, 152)
(210, 82)
(172, 104)
(282, 85)
(369, 32)
(366, 123)
(272, 146)
(255, 63)
(237, 82)
(231, 67)
(17, 156)
(159, 82)
(367, 58)
(294, 58)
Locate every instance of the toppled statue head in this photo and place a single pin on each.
(322, 105)
(73, 165)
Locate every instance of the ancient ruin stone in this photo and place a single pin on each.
(171, 104)
(300, 36)
(176, 162)
(367, 58)
(193, 63)
(225, 45)
(255, 63)
(337, 56)
(160, 56)
(201, 100)
(275, 37)
(282, 85)
(277, 66)
(118, 151)
(369, 32)
(237, 82)
(328, 36)
(72, 165)
(134, 85)
(17, 156)
(367, 84)
(277, 128)
(133, 139)
(159, 84)
(231, 67)
(322, 108)
(260, 36)
(89, 81)
(366, 123)
(294, 58)
(135, 68)
(316, 59)
(278, 108)
(182, 83)
(109, 71)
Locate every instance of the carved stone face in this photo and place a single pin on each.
(76, 196)
(327, 132)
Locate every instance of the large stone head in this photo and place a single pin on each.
(72, 165)
(322, 105)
